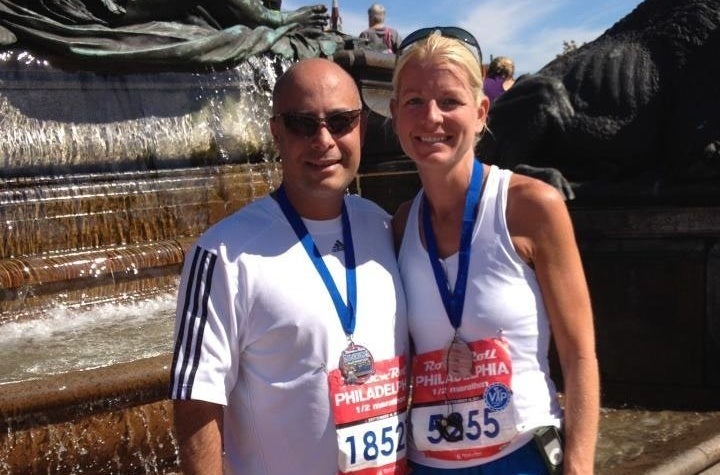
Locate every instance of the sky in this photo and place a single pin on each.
(531, 32)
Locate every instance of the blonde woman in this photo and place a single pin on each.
(492, 273)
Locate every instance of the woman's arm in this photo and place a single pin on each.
(542, 230)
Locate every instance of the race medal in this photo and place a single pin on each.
(356, 364)
(459, 359)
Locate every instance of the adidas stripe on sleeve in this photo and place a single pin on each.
(190, 323)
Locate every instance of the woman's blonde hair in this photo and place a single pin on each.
(436, 46)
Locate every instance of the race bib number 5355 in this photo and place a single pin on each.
(464, 418)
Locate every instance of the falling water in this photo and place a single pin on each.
(65, 121)
(75, 339)
(104, 182)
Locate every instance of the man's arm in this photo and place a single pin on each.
(198, 427)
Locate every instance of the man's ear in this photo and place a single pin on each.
(363, 126)
(273, 129)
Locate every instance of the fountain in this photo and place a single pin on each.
(105, 181)
(116, 154)
(113, 162)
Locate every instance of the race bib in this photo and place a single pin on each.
(464, 418)
(370, 420)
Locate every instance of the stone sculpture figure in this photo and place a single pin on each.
(165, 32)
(639, 105)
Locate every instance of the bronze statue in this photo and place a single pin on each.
(182, 33)
(637, 106)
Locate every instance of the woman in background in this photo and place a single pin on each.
(500, 77)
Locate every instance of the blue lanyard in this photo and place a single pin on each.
(455, 302)
(346, 313)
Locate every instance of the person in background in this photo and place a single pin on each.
(492, 273)
(500, 77)
(378, 34)
(291, 333)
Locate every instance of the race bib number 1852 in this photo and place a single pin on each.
(371, 420)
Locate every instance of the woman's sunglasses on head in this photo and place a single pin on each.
(305, 125)
(453, 32)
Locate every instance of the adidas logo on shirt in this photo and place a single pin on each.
(338, 246)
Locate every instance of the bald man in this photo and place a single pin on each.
(291, 337)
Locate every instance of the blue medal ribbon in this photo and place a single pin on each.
(346, 312)
(455, 302)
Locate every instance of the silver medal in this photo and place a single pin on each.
(356, 364)
(459, 359)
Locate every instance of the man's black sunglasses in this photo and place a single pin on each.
(305, 125)
(447, 31)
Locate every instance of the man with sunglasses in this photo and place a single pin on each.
(291, 331)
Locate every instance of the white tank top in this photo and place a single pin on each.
(502, 300)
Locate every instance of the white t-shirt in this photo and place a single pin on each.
(506, 325)
(257, 332)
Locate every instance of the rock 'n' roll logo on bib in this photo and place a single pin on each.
(482, 421)
(370, 420)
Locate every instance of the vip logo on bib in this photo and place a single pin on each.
(497, 397)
